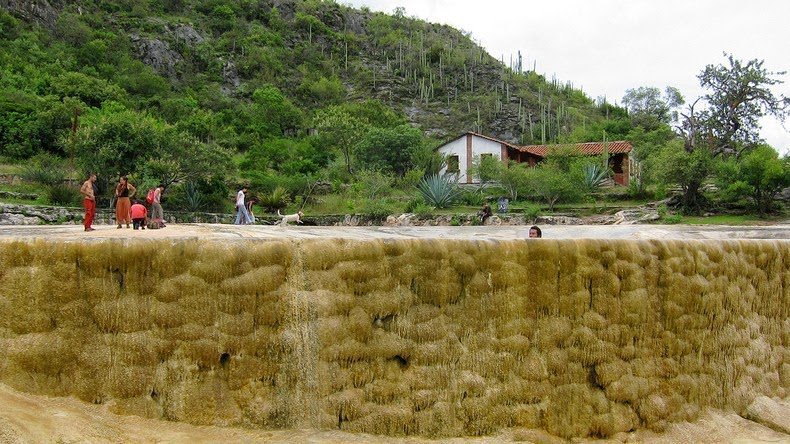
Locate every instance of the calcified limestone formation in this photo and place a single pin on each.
(427, 337)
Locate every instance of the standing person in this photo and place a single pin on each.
(250, 203)
(157, 214)
(242, 216)
(534, 232)
(138, 213)
(123, 191)
(89, 190)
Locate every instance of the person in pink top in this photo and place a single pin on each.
(139, 214)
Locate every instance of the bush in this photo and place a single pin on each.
(45, 169)
(63, 194)
(532, 211)
(424, 211)
(376, 208)
(474, 198)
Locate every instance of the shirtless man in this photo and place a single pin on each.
(89, 190)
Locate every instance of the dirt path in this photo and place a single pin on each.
(226, 232)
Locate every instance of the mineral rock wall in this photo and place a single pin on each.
(427, 337)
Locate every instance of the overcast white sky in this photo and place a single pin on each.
(608, 46)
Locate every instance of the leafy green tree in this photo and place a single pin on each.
(515, 179)
(759, 175)
(554, 185)
(649, 109)
(389, 149)
(90, 90)
(687, 169)
(114, 140)
(340, 130)
(739, 94)
(486, 169)
(273, 114)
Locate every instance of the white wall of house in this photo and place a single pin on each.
(458, 147)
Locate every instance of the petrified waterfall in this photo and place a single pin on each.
(398, 337)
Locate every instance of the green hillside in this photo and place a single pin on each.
(273, 92)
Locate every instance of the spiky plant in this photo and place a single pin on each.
(594, 176)
(439, 191)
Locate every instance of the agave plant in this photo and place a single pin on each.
(594, 176)
(193, 197)
(276, 200)
(438, 191)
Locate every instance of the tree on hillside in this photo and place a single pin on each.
(389, 149)
(338, 129)
(649, 109)
(738, 96)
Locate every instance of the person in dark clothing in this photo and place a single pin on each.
(485, 213)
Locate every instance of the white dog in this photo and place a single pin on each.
(296, 217)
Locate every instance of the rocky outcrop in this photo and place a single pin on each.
(230, 77)
(157, 54)
(36, 11)
(186, 34)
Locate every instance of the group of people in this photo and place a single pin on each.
(133, 214)
(485, 213)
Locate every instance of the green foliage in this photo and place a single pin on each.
(376, 208)
(672, 219)
(531, 212)
(688, 170)
(515, 179)
(275, 200)
(554, 185)
(372, 184)
(45, 169)
(486, 169)
(759, 175)
(389, 149)
(272, 114)
(439, 191)
(63, 194)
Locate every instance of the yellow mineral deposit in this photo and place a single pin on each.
(400, 337)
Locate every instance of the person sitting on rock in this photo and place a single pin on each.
(485, 213)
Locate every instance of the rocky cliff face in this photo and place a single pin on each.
(38, 11)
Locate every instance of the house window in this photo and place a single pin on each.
(452, 164)
(484, 155)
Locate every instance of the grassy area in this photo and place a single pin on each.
(728, 219)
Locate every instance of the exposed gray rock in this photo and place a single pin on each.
(774, 414)
(230, 77)
(18, 219)
(13, 195)
(636, 216)
(156, 54)
(38, 11)
(188, 35)
(559, 220)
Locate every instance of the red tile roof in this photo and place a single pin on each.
(585, 149)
